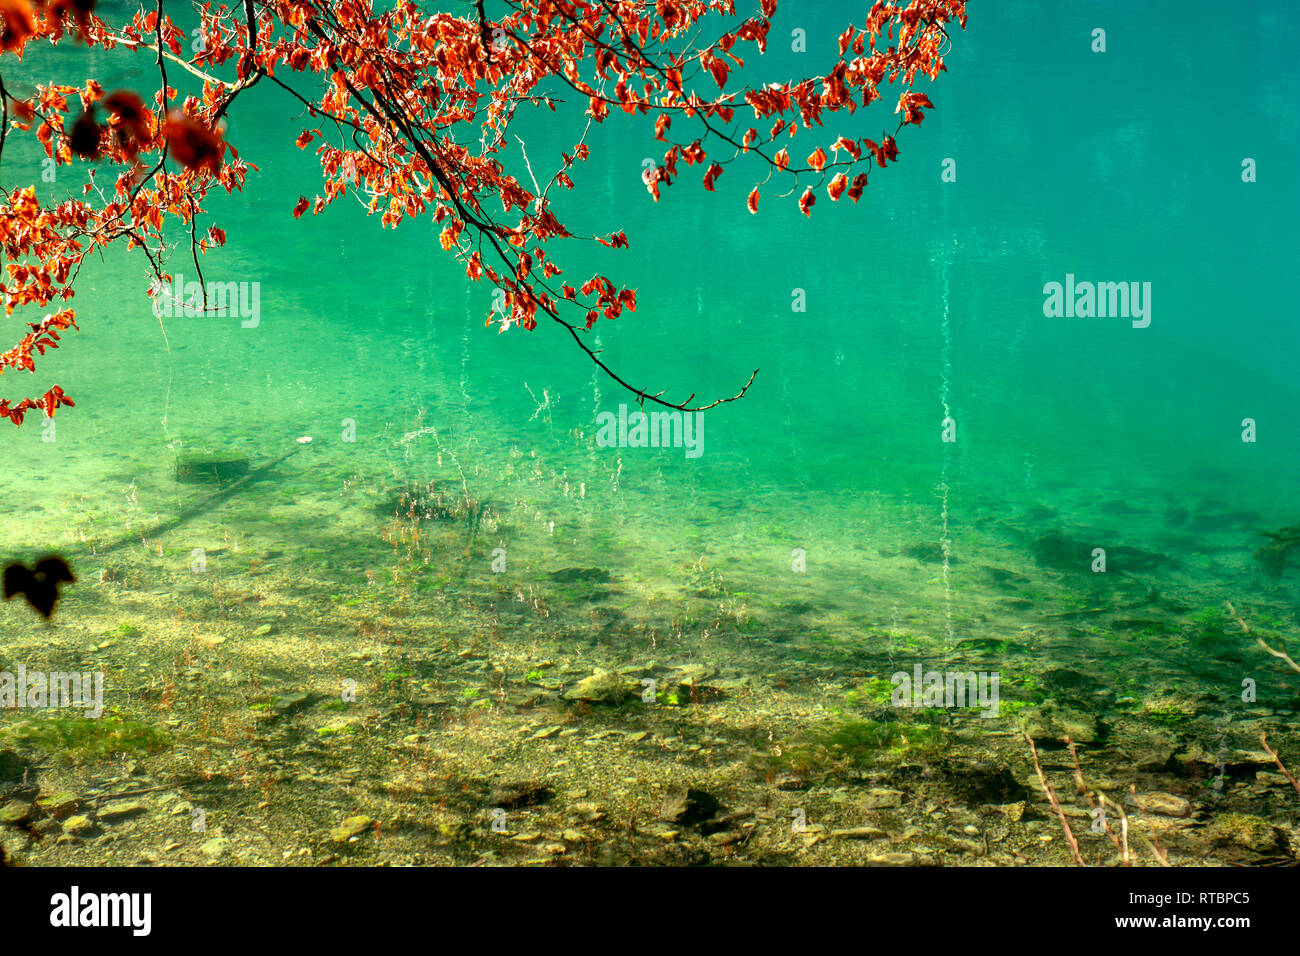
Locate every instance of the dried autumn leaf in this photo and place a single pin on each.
(752, 201)
(719, 69)
(192, 144)
(132, 118)
(85, 135)
(713, 173)
(806, 202)
(79, 10)
(16, 17)
(25, 112)
(910, 104)
(859, 184)
(849, 146)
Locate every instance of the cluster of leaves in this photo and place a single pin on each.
(410, 111)
(46, 245)
(43, 335)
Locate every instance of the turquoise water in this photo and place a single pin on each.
(924, 301)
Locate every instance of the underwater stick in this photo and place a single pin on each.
(1056, 804)
(1263, 742)
(1153, 844)
(135, 793)
(1123, 826)
(1097, 808)
(1259, 640)
(195, 509)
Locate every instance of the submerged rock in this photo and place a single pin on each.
(1055, 550)
(1002, 578)
(694, 684)
(1058, 551)
(1225, 521)
(59, 805)
(350, 827)
(1063, 680)
(927, 552)
(603, 687)
(15, 812)
(215, 848)
(859, 833)
(1165, 804)
(121, 809)
(1124, 558)
(12, 766)
(292, 703)
(1275, 554)
(13, 844)
(1156, 758)
(1051, 723)
(1248, 839)
(79, 825)
(688, 805)
(879, 798)
(1169, 708)
(514, 796)
(981, 781)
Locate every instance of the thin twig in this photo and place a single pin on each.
(1162, 856)
(1056, 804)
(1259, 640)
(135, 793)
(1083, 789)
(1263, 742)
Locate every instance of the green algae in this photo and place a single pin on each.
(851, 745)
(81, 739)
